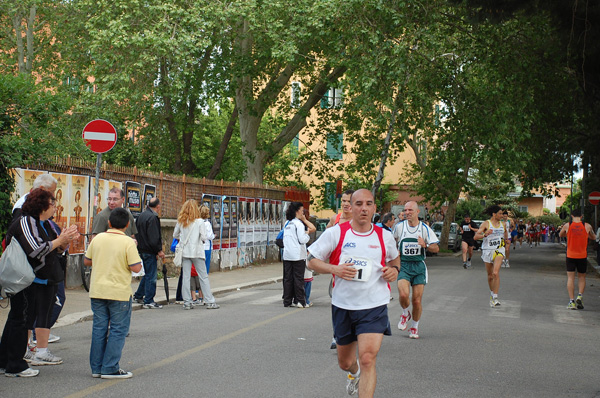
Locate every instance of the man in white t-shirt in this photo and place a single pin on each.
(363, 259)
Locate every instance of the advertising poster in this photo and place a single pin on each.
(77, 205)
(62, 194)
(274, 221)
(102, 198)
(133, 197)
(215, 219)
(149, 193)
(233, 223)
(242, 220)
(114, 184)
(264, 222)
(18, 176)
(226, 223)
(29, 177)
(256, 219)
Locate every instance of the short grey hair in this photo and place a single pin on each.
(387, 217)
(45, 181)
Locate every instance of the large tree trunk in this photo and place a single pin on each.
(386, 149)
(448, 219)
(216, 167)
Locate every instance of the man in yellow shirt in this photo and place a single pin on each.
(114, 255)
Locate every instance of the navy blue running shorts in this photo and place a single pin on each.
(348, 324)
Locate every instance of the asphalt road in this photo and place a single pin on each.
(531, 346)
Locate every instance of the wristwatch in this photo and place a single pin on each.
(395, 266)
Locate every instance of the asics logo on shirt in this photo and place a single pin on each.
(349, 244)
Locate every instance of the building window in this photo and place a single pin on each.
(329, 201)
(295, 144)
(524, 209)
(295, 96)
(335, 145)
(333, 98)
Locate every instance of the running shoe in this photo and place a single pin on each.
(25, 373)
(494, 302)
(52, 338)
(188, 306)
(139, 300)
(579, 302)
(413, 333)
(213, 306)
(46, 358)
(29, 355)
(152, 306)
(571, 306)
(120, 374)
(2, 371)
(465, 265)
(404, 321)
(333, 345)
(197, 302)
(96, 375)
(352, 386)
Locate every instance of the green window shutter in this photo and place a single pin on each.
(295, 146)
(335, 145)
(330, 195)
(325, 100)
(437, 116)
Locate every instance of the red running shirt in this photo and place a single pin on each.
(577, 240)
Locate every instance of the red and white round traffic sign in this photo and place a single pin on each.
(99, 135)
(594, 198)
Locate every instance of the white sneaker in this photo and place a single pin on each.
(413, 333)
(507, 264)
(52, 338)
(47, 358)
(352, 386)
(403, 321)
(25, 373)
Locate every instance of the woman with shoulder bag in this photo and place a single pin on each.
(42, 246)
(191, 232)
(295, 237)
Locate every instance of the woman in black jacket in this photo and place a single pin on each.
(39, 241)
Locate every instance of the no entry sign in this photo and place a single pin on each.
(99, 135)
(594, 198)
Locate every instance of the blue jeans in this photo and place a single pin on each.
(106, 349)
(147, 286)
(207, 256)
(307, 289)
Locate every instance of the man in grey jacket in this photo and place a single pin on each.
(150, 247)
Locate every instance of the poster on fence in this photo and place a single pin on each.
(102, 198)
(77, 208)
(214, 204)
(149, 193)
(133, 197)
(233, 223)
(225, 223)
(62, 194)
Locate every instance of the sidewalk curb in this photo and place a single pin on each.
(85, 316)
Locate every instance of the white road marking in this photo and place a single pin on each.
(445, 303)
(507, 309)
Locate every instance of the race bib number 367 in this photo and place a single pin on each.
(363, 266)
(411, 248)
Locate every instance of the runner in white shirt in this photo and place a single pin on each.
(494, 234)
(414, 238)
(364, 259)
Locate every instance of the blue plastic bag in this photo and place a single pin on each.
(174, 244)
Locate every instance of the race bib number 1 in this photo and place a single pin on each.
(411, 248)
(363, 266)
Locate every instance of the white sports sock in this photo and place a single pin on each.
(494, 295)
(355, 375)
(42, 351)
(415, 324)
(405, 311)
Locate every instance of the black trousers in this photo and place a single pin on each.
(293, 282)
(14, 337)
